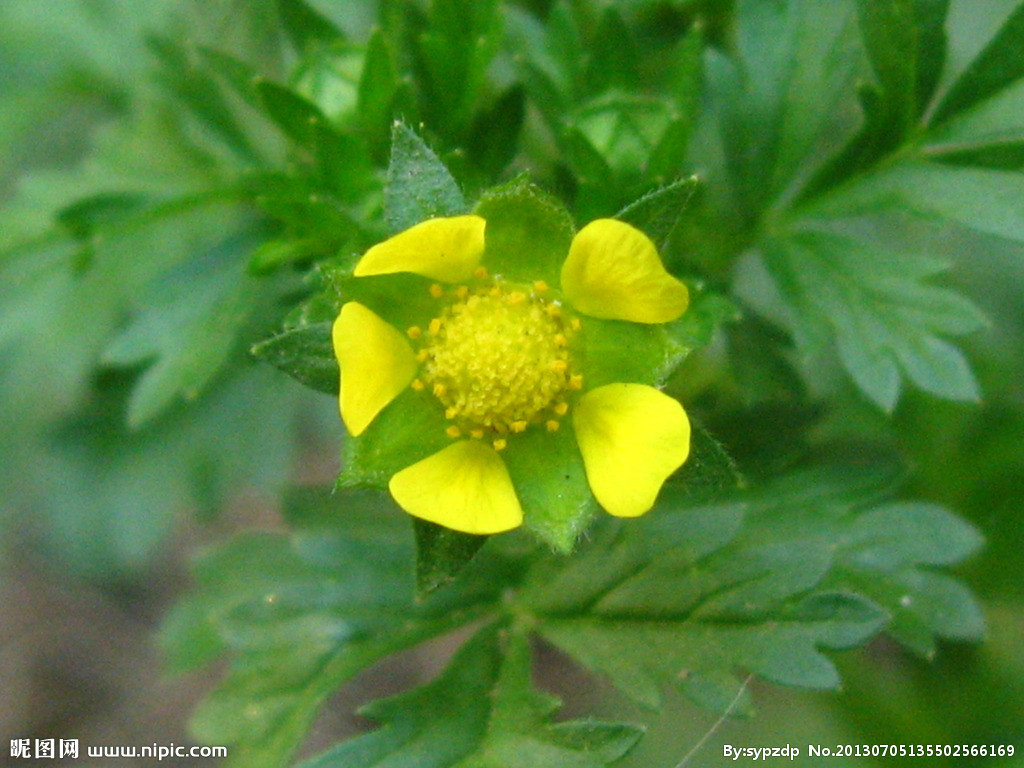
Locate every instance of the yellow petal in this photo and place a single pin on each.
(632, 438)
(446, 249)
(376, 363)
(465, 487)
(613, 271)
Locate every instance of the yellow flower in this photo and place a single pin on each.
(504, 360)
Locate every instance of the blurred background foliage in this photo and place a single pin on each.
(174, 172)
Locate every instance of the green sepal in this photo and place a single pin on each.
(657, 213)
(410, 428)
(616, 351)
(441, 554)
(709, 469)
(528, 232)
(403, 299)
(306, 354)
(550, 480)
(418, 185)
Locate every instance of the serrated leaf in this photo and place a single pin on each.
(776, 104)
(689, 591)
(884, 320)
(482, 711)
(419, 185)
(306, 354)
(173, 330)
(302, 613)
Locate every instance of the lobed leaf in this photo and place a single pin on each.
(481, 711)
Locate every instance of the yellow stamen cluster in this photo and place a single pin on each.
(498, 359)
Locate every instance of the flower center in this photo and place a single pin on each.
(498, 361)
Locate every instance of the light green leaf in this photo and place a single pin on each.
(189, 323)
(300, 614)
(883, 318)
(482, 712)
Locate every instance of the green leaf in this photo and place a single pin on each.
(690, 591)
(306, 354)
(613, 54)
(890, 36)
(457, 48)
(409, 429)
(419, 185)
(189, 324)
(377, 88)
(306, 27)
(482, 711)
(997, 66)
(777, 103)
(494, 137)
(886, 323)
(551, 482)
(302, 613)
(203, 98)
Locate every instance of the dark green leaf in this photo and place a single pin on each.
(709, 469)
(890, 36)
(85, 216)
(457, 48)
(440, 554)
(199, 92)
(494, 138)
(614, 55)
(306, 354)
(482, 711)
(997, 66)
(294, 115)
(305, 26)
(418, 186)
(377, 88)
(930, 20)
